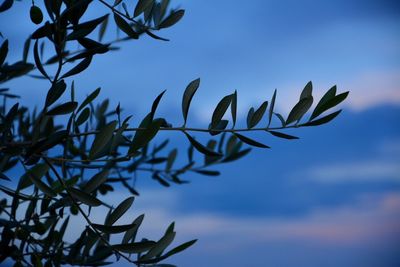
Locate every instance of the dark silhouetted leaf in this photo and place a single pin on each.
(328, 101)
(187, 97)
(282, 135)
(102, 138)
(299, 110)
(3, 52)
(307, 91)
(55, 92)
(97, 180)
(141, 6)
(125, 27)
(89, 99)
(83, 116)
(271, 108)
(234, 108)
(142, 137)
(79, 68)
(250, 141)
(39, 184)
(179, 248)
(119, 211)
(114, 229)
(7, 4)
(155, 105)
(322, 120)
(138, 247)
(39, 65)
(62, 109)
(84, 197)
(208, 172)
(131, 233)
(258, 114)
(199, 147)
(220, 110)
(36, 15)
(172, 19)
(160, 246)
(171, 159)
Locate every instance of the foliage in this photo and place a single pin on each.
(71, 153)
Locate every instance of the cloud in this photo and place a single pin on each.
(371, 170)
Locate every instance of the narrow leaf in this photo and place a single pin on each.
(125, 27)
(119, 211)
(250, 141)
(62, 109)
(322, 120)
(102, 138)
(200, 147)
(97, 180)
(299, 110)
(55, 92)
(84, 197)
(138, 247)
(79, 68)
(187, 97)
(172, 19)
(282, 135)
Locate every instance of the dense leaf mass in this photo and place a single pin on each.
(71, 152)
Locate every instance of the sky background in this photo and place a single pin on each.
(331, 198)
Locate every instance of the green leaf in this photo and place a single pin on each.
(258, 114)
(282, 135)
(97, 180)
(271, 108)
(83, 117)
(322, 120)
(208, 172)
(172, 19)
(36, 57)
(89, 99)
(63, 109)
(102, 138)
(138, 247)
(199, 147)
(36, 15)
(171, 159)
(3, 52)
(141, 6)
(55, 92)
(119, 211)
(250, 141)
(125, 27)
(250, 115)
(299, 110)
(84, 197)
(143, 137)
(281, 119)
(220, 110)
(187, 97)
(307, 91)
(83, 29)
(329, 100)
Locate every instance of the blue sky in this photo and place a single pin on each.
(331, 198)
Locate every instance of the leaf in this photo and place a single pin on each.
(125, 27)
(155, 105)
(131, 233)
(103, 28)
(83, 116)
(179, 248)
(282, 135)
(250, 141)
(237, 155)
(160, 246)
(220, 110)
(208, 172)
(115, 229)
(78, 68)
(141, 6)
(234, 108)
(119, 211)
(55, 92)
(322, 120)
(36, 14)
(171, 159)
(271, 108)
(42, 186)
(187, 97)
(159, 179)
(258, 114)
(138, 247)
(84, 197)
(202, 149)
(36, 57)
(89, 99)
(96, 180)
(299, 110)
(328, 101)
(3, 52)
(102, 138)
(25, 53)
(143, 137)
(7, 4)
(307, 91)
(172, 19)
(63, 109)
(83, 29)
(39, 170)
(250, 115)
